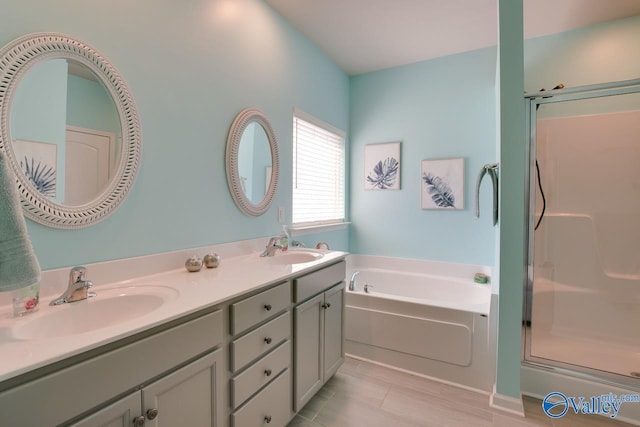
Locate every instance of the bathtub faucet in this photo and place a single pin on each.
(367, 288)
(352, 282)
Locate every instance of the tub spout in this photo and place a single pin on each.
(352, 282)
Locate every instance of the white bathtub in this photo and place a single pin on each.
(424, 317)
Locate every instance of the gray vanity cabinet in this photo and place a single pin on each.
(318, 330)
(333, 351)
(260, 359)
(118, 414)
(175, 370)
(187, 396)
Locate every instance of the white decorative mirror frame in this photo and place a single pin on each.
(16, 59)
(240, 123)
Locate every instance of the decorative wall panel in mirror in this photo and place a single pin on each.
(252, 162)
(69, 128)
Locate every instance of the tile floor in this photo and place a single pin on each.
(368, 395)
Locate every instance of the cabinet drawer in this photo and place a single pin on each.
(316, 282)
(271, 406)
(260, 373)
(268, 336)
(260, 307)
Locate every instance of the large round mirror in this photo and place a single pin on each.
(70, 129)
(252, 162)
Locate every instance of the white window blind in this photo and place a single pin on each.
(318, 172)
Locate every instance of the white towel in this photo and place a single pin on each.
(18, 264)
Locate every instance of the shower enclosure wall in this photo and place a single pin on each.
(582, 303)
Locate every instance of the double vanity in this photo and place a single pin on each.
(245, 344)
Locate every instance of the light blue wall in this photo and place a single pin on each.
(90, 106)
(38, 108)
(440, 108)
(38, 112)
(191, 66)
(261, 161)
(601, 53)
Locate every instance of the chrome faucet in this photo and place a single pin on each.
(352, 282)
(78, 288)
(272, 247)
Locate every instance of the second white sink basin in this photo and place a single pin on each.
(296, 256)
(110, 307)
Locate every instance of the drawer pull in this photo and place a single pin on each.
(267, 419)
(267, 307)
(267, 340)
(267, 372)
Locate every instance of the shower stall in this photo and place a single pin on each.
(582, 296)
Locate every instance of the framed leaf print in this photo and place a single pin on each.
(38, 161)
(382, 166)
(443, 184)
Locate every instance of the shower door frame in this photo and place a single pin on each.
(533, 101)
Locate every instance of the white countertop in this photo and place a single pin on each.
(235, 276)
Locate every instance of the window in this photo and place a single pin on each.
(318, 172)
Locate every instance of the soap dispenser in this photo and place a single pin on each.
(284, 239)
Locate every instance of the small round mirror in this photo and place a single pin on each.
(252, 162)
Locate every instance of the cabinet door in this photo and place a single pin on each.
(189, 396)
(333, 330)
(118, 414)
(309, 331)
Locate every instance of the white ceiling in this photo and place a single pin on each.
(368, 35)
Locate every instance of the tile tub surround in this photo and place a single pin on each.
(241, 271)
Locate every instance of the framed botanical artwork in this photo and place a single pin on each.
(38, 161)
(382, 166)
(442, 184)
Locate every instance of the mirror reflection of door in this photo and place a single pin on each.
(88, 151)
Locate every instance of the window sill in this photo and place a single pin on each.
(300, 231)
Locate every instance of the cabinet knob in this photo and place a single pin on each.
(327, 305)
(267, 340)
(267, 419)
(267, 307)
(138, 421)
(267, 372)
(152, 414)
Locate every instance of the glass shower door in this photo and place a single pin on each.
(583, 294)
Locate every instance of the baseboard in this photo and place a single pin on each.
(505, 403)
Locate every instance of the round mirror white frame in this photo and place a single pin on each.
(240, 123)
(16, 59)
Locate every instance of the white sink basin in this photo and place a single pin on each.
(110, 307)
(295, 257)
